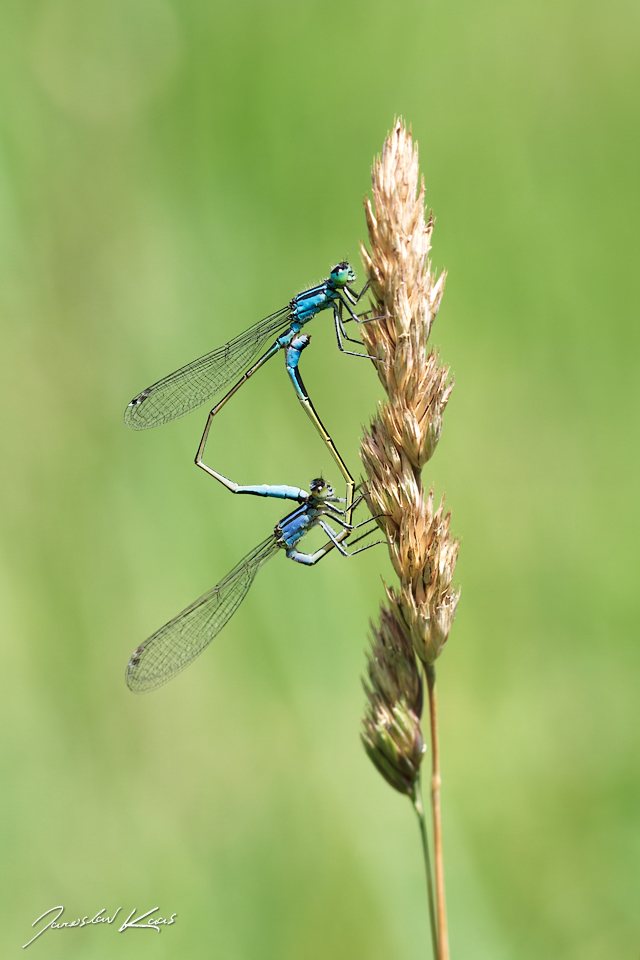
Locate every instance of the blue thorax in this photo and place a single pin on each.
(292, 528)
(307, 304)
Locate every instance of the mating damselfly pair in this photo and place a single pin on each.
(174, 646)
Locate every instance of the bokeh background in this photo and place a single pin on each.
(170, 171)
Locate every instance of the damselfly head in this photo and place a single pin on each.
(320, 489)
(342, 274)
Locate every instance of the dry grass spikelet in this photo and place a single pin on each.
(392, 735)
(404, 433)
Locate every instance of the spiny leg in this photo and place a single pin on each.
(353, 526)
(349, 353)
(356, 503)
(338, 510)
(354, 297)
(335, 539)
(340, 324)
(310, 559)
(346, 302)
(338, 515)
(349, 298)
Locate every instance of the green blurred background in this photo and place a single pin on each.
(170, 171)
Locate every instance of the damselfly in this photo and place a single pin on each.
(199, 381)
(171, 648)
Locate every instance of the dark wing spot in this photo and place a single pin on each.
(135, 656)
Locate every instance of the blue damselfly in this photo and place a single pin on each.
(199, 381)
(171, 648)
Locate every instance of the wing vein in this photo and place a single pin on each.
(199, 381)
(171, 648)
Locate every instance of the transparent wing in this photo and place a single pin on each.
(171, 648)
(198, 381)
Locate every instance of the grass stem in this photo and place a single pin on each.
(418, 807)
(443, 936)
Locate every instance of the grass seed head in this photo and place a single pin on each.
(392, 735)
(405, 431)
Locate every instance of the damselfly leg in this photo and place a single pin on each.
(335, 539)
